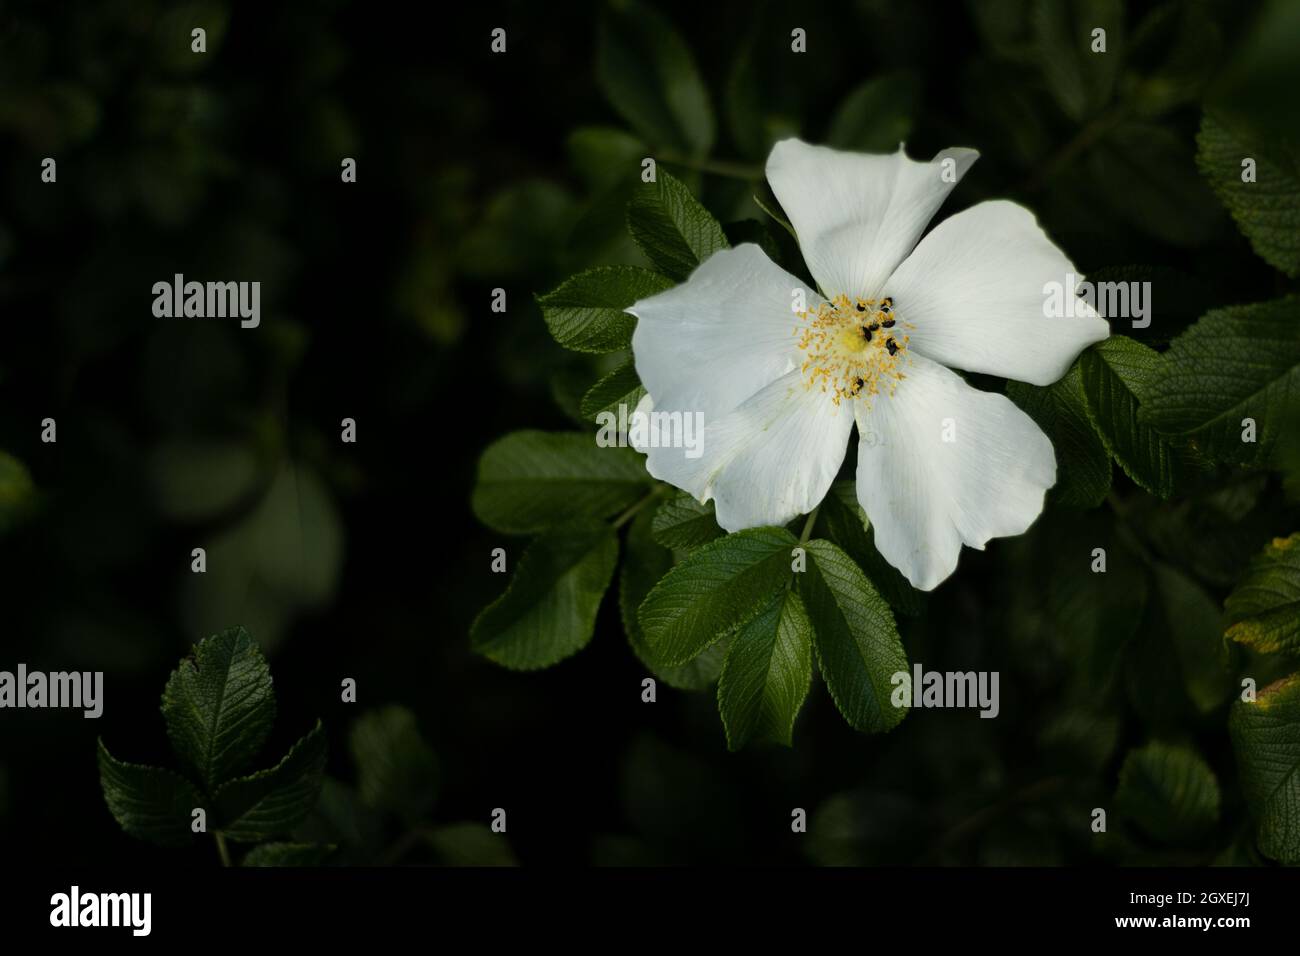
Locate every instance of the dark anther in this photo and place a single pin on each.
(866, 333)
(892, 346)
(887, 301)
(861, 307)
(857, 384)
(873, 326)
(888, 323)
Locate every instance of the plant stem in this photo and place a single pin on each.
(808, 525)
(716, 167)
(630, 513)
(1083, 140)
(222, 849)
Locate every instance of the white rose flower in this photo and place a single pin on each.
(780, 373)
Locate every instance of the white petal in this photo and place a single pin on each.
(926, 495)
(857, 216)
(768, 461)
(716, 339)
(975, 293)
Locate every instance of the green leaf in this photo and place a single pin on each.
(1083, 472)
(274, 801)
(396, 770)
(1116, 375)
(219, 706)
(604, 156)
(646, 563)
(1192, 623)
(1266, 737)
(288, 854)
(858, 650)
(1145, 174)
(674, 231)
(846, 525)
(1187, 48)
(147, 802)
(619, 387)
(470, 844)
(286, 555)
(767, 673)
(195, 480)
(743, 98)
(1168, 792)
(16, 491)
(715, 591)
(1234, 363)
(1081, 81)
(529, 481)
(648, 75)
(1264, 609)
(1254, 89)
(877, 115)
(586, 313)
(549, 611)
(682, 522)
(1267, 210)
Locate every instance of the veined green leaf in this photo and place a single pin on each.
(1266, 737)
(586, 312)
(529, 481)
(619, 387)
(857, 644)
(549, 611)
(682, 522)
(1266, 209)
(674, 231)
(846, 525)
(715, 591)
(274, 801)
(1238, 363)
(1116, 376)
(147, 802)
(645, 564)
(219, 706)
(1264, 609)
(767, 673)
(1083, 473)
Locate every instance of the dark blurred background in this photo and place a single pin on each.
(363, 560)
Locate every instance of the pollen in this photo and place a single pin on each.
(853, 348)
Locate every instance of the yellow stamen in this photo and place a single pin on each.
(849, 350)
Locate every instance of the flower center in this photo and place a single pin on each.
(854, 347)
